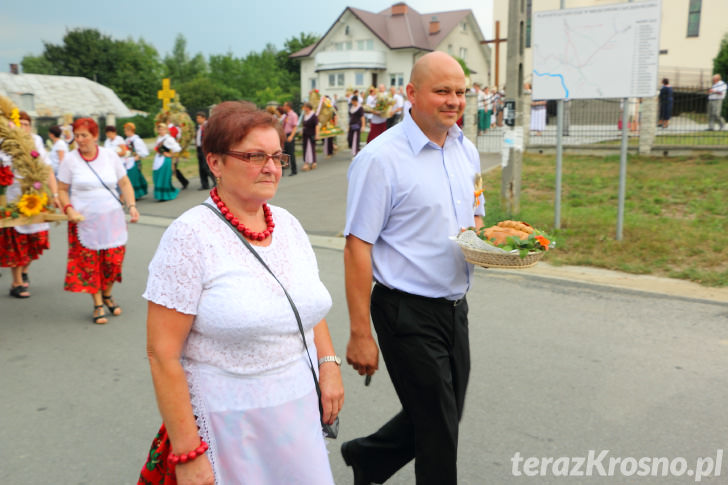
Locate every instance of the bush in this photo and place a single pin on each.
(144, 125)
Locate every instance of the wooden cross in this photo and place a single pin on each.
(497, 41)
(165, 94)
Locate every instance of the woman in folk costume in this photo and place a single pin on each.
(97, 231)
(356, 121)
(165, 147)
(310, 135)
(137, 150)
(20, 245)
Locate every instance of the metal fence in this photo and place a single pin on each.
(597, 123)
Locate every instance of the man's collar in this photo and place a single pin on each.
(417, 138)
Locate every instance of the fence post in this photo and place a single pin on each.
(470, 120)
(648, 128)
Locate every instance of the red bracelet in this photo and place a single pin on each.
(65, 207)
(185, 457)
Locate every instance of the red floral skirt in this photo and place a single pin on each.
(20, 249)
(157, 470)
(91, 270)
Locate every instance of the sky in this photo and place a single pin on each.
(210, 26)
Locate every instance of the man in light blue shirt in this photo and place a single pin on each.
(410, 191)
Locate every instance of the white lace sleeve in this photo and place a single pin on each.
(176, 271)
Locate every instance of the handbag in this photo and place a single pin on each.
(329, 430)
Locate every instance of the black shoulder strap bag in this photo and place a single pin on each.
(329, 430)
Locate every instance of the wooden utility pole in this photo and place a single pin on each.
(511, 174)
(497, 41)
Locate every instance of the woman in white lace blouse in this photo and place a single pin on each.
(227, 357)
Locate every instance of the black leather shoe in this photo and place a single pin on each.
(346, 453)
(292, 174)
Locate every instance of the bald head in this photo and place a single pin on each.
(432, 64)
(436, 91)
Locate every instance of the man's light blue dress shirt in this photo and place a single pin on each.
(407, 196)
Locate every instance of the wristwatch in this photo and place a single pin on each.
(330, 358)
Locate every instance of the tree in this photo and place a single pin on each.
(139, 74)
(179, 66)
(36, 65)
(202, 92)
(293, 66)
(720, 66)
(131, 69)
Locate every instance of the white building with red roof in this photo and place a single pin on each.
(363, 49)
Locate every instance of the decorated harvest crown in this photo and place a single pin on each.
(18, 157)
(177, 116)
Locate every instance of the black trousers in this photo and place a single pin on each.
(204, 170)
(178, 173)
(289, 147)
(425, 346)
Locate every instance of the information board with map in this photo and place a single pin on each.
(610, 51)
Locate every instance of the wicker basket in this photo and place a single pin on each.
(489, 259)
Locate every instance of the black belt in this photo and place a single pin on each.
(439, 301)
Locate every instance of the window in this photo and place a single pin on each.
(361, 45)
(449, 49)
(313, 83)
(464, 26)
(396, 79)
(332, 80)
(370, 44)
(339, 46)
(348, 45)
(340, 79)
(529, 11)
(463, 53)
(694, 18)
(359, 79)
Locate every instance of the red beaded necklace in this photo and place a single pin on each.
(92, 158)
(253, 236)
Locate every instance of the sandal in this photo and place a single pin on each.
(19, 292)
(26, 280)
(113, 307)
(98, 318)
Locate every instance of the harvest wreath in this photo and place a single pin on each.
(19, 158)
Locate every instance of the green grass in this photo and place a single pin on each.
(676, 213)
(686, 139)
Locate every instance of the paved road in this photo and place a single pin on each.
(560, 366)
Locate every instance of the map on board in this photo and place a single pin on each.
(610, 51)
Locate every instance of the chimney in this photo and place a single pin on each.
(399, 9)
(434, 26)
(14, 69)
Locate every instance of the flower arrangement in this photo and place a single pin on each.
(19, 157)
(181, 121)
(324, 108)
(383, 107)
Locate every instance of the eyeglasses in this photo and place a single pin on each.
(259, 158)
